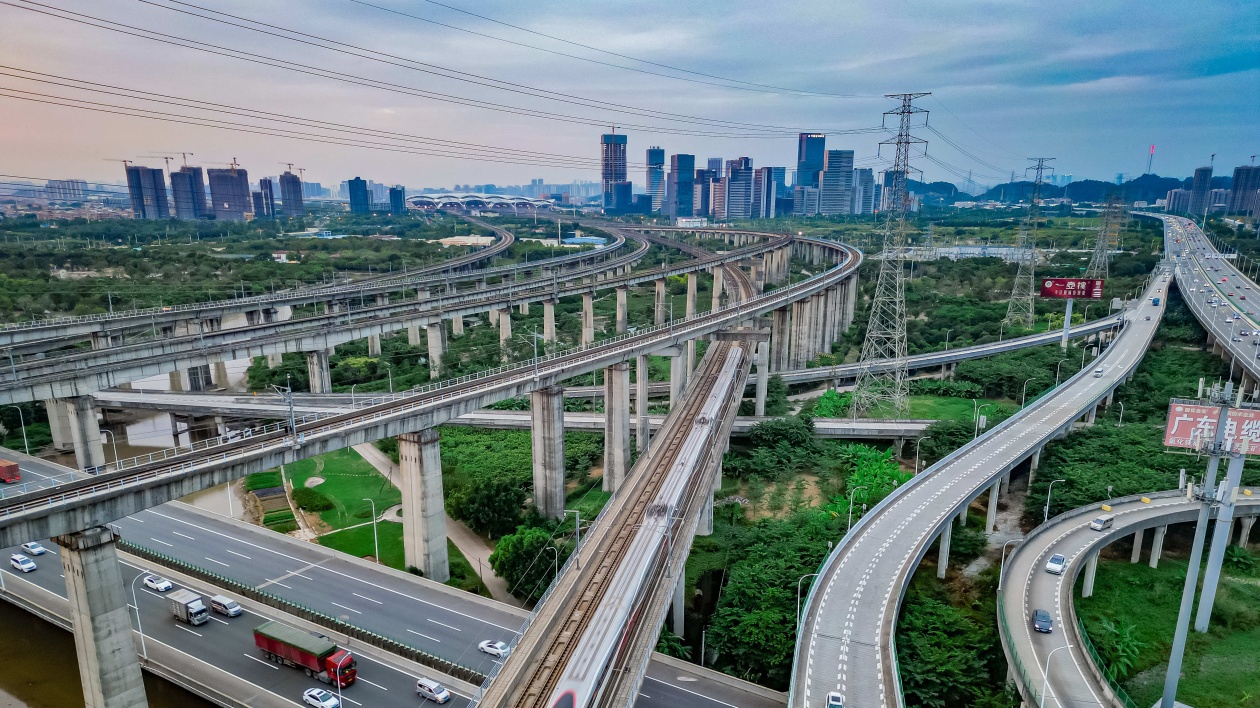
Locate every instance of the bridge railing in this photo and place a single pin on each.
(1008, 639)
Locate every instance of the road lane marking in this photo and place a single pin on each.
(439, 641)
(457, 629)
(701, 695)
(268, 664)
(242, 555)
(216, 619)
(365, 597)
(275, 582)
(190, 538)
(189, 630)
(373, 684)
(164, 543)
(338, 604)
(225, 565)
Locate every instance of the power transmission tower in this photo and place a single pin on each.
(1020, 311)
(1113, 219)
(886, 328)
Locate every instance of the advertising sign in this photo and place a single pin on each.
(1193, 426)
(1081, 288)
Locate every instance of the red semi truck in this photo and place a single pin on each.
(9, 472)
(319, 657)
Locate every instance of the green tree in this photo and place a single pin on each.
(671, 644)
(489, 503)
(523, 560)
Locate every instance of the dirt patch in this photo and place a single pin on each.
(312, 482)
(392, 514)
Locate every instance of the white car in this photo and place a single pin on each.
(834, 701)
(319, 698)
(1056, 564)
(21, 562)
(432, 690)
(34, 549)
(154, 582)
(495, 649)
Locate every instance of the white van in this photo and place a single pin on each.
(225, 606)
(432, 690)
(1103, 522)
(1098, 373)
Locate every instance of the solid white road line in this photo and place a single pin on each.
(338, 604)
(439, 641)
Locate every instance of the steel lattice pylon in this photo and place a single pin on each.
(1113, 219)
(1020, 312)
(886, 327)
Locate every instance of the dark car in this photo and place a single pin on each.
(1041, 621)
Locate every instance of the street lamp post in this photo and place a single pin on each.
(976, 433)
(851, 493)
(113, 443)
(22, 419)
(135, 602)
(916, 452)
(1045, 516)
(1056, 371)
(352, 394)
(798, 598)
(1023, 396)
(1121, 422)
(1002, 564)
(389, 370)
(1045, 687)
(947, 333)
(376, 541)
(337, 678)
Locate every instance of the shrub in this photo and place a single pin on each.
(312, 500)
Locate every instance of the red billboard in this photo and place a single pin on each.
(1193, 426)
(1081, 288)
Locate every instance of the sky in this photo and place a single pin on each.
(433, 94)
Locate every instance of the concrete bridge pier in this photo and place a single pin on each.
(318, 372)
(547, 435)
(457, 326)
(763, 377)
(435, 334)
(588, 318)
(678, 611)
(105, 340)
(524, 308)
(108, 667)
(942, 560)
(1157, 545)
(84, 432)
(691, 310)
(660, 301)
(549, 321)
(1245, 533)
(1091, 571)
(1090, 415)
(505, 331)
(374, 345)
(616, 425)
(1136, 555)
(643, 434)
(780, 328)
(424, 517)
(274, 360)
(990, 519)
(59, 423)
(718, 284)
(622, 321)
(1034, 461)
(677, 379)
(413, 336)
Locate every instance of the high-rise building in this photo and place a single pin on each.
(66, 190)
(884, 190)
(612, 164)
(1177, 201)
(1218, 200)
(268, 193)
(397, 200)
(291, 194)
(1243, 194)
(702, 205)
(863, 191)
(622, 197)
(656, 177)
(360, 197)
(739, 188)
(804, 200)
(718, 207)
(679, 186)
(188, 191)
(260, 209)
(229, 193)
(835, 185)
(783, 190)
(809, 158)
(147, 187)
(765, 191)
(1199, 191)
(715, 165)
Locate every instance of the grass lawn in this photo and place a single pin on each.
(358, 542)
(1220, 667)
(941, 408)
(348, 480)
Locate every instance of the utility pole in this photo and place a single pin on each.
(1021, 311)
(886, 329)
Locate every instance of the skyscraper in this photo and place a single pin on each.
(702, 204)
(229, 193)
(147, 187)
(188, 191)
(805, 200)
(765, 190)
(397, 200)
(656, 176)
(679, 193)
(1199, 191)
(715, 165)
(835, 186)
(809, 158)
(780, 178)
(612, 164)
(718, 206)
(291, 194)
(66, 190)
(268, 200)
(863, 191)
(1243, 194)
(739, 188)
(360, 198)
(1177, 201)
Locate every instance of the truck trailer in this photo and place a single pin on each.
(187, 606)
(9, 472)
(318, 656)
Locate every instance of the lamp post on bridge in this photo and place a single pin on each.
(22, 420)
(1046, 512)
(376, 541)
(916, 452)
(798, 598)
(854, 491)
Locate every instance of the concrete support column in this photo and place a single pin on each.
(1034, 461)
(59, 423)
(677, 380)
(763, 377)
(718, 274)
(413, 336)
(691, 310)
(86, 434)
(274, 360)
(457, 326)
(220, 373)
(1091, 570)
(1090, 415)
(1157, 545)
(505, 330)
(1245, 534)
(374, 345)
(990, 520)
(108, 667)
(178, 381)
(797, 357)
(549, 320)
(547, 435)
(436, 336)
(660, 301)
(318, 372)
(524, 308)
(643, 427)
(588, 318)
(616, 425)
(942, 560)
(1136, 555)
(850, 301)
(622, 316)
(424, 517)
(679, 610)
(780, 333)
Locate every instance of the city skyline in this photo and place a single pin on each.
(1095, 97)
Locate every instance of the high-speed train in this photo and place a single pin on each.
(609, 628)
